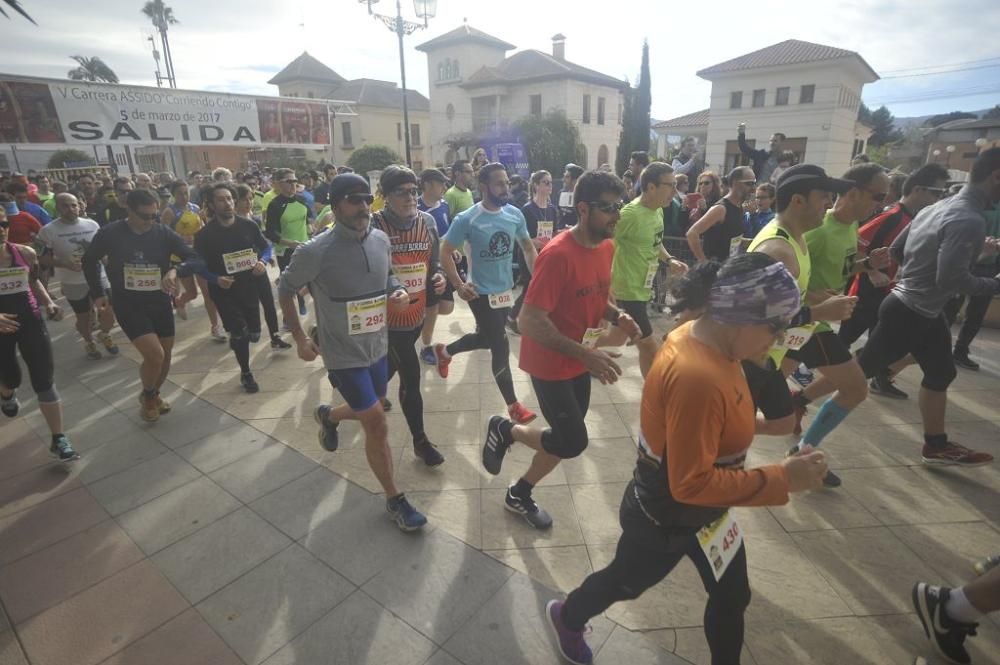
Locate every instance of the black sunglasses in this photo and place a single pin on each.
(605, 206)
(358, 199)
(937, 191)
(5, 224)
(148, 217)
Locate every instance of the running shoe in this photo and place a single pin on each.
(386, 405)
(427, 355)
(62, 449)
(512, 327)
(91, 349)
(249, 383)
(803, 376)
(279, 344)
(954, 454)
(946, 634)
(832, 480)
(328, 437)
(987, 564)
(149, 408)
(218, 334)
(962, 359)
(285, 328)
(428, 452)
(520, 414)
(109, 344)
(572, 644)
(442, 361)
(9, 405)
(406, 516)
(496, 445)
(882, 385)
(302, 308)
(162, 404)
(526, 507)
(182, 312)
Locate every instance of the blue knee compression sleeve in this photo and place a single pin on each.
(829, 416)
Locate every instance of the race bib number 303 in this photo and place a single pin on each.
(413, 276)
(13, 280)
(366, 316)
(141, 277)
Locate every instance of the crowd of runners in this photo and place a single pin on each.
(788, 269)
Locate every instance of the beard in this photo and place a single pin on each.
(499, 201)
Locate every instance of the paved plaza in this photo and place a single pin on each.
(224, 534)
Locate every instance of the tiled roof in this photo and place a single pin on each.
(691, 119)
(371, 92)
(788, 52)
(534, 65)
(307, 68)
(464, 33)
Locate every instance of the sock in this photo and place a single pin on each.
(149, 393)
(445, 352)
(522, 488)
(419, 439)
(827, 418)
(959, 608)
(56, 437)
(936, 441)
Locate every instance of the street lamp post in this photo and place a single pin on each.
(949, 149)
(425, 9)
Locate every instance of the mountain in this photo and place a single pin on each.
(905, 123)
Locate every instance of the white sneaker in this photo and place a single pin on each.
(218, 334)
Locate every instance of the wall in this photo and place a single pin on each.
(304, 89)
(593, 135)
(376, 125)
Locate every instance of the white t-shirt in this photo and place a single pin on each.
(67, 242)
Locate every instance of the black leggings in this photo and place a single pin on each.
(283, 261)
(525, 280)
(974, 313)
(564, 405)
(490, 334)
(865, 314)
(266, 297)
(646, 554)
(403, 359)
(32, 339)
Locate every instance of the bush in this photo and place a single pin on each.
(60, 158)
(372, 158)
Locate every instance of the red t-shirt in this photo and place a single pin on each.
(879, 232)
(572, 283)
(23, 228)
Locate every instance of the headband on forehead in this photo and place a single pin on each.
(767, 295)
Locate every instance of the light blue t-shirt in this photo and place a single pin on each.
(491, 237)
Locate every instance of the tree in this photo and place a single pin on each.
(883, 125)
(462, 144)
(92, 69)
(552, 141)
(162, 17)
(635, 129)
(993, 113)
(60, 158)
(865, 114)
(16, 6)
(942, 118)
(372, 158)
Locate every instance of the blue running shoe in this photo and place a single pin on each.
(405, 515)
(328, 437)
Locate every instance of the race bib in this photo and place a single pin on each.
(796, 338)
(142, 278)
(366, 316)
(565, 199)
(413, 276)
(735, 245)
(720, 541)
(501, 300)
(13, 280)
(651, 274)
(235, 262)
(545, 230)
(591, 336)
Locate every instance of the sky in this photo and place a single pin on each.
(237, 46)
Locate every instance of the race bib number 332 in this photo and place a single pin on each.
(13, 280)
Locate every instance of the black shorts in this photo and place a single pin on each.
(433, 298)
(141, 317)
(769, 390)
(901, 331)
(824, 349)
(639, 311)
(86, 303)
(564, 405)
(239, 307)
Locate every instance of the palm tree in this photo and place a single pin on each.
(92, 69)
(161, 17)
(16, 6)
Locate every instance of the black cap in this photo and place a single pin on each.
(807, 177)
(345, 184)
(574, 170)
(395, 175)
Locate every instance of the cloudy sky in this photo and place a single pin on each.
(237, 46)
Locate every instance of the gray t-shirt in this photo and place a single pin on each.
(350, 279)
(68, 242)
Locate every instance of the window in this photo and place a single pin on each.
(345, 130)
(449, 113)
(758, 98)
(586, 109)
(414, 134)
(536, 104)
(736, 100)
(781, 97)
(807, 93)
(399, 131)
(600, 113)
(418, 166)
(310, 94)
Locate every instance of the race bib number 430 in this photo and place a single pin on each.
(720, 541)
(142, 278)
(13, 280)
(366, 316)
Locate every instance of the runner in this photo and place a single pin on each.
(490, 227)
(432, 188)
(286, 222)
(65, 241)
(567, 211)
(142, 280)
(935, 254)
(718, 234)
(949, 616)
(459, 195)
(697, 424)
(233, 249)
(563, 323)
(639, 250)
(22, 227)
(415, 246)
(349, 270)
(540, 215)
(925, 186)
(22, 297)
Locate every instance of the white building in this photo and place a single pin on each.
(475, 89)
(809, 92)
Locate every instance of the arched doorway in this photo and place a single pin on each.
(602, 156)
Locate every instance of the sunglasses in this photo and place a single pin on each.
(605, 206)
(406, 191)
(938, 191)
(358, 199)
(149, 217)
(4, 224)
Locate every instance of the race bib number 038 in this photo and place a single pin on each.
(366, 316)
(720, 541)
(13, 280)
(413, 276)
(240, 261)
(142, 278)
(501, 300)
